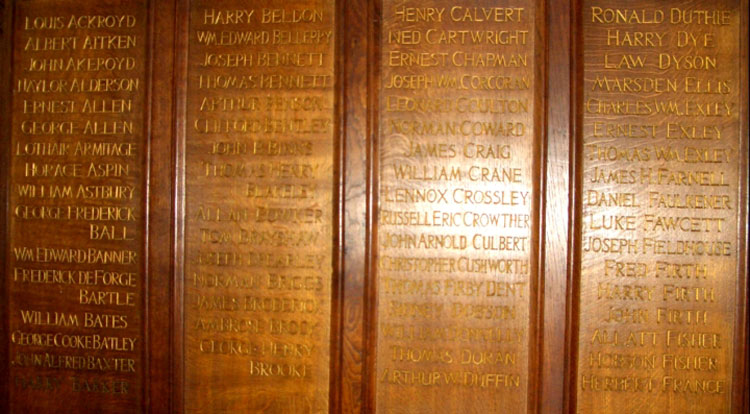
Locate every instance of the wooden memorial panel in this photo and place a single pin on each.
(661, 237)
(374, 206)
(75, 253)
(457, 194)
(259, 181)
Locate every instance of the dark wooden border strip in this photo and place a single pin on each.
(372, 142)
(6, 42)
(740, 392)
(540, 183)
(575, 208)
(556, 206)
(354, 158)
(181, 33)
(336, 379)
(159, 187)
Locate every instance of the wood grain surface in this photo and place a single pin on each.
(76, 270)
(458, 190)
(374, 206)
(259, 206)
(662, 193)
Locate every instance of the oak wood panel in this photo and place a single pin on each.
(418, 152)
(556, 166)
(741, 390)
(259, 207)
(649, 352)
(77, 298)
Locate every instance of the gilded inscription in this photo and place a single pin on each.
(456, 197)
(75, 255)
(259, 206)
(659, 207)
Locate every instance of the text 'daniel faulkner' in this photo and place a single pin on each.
(659, 214)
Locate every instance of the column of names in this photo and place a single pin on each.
(659, 212)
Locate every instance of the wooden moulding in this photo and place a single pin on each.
(5, 52)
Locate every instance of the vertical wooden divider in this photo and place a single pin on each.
(355, 46)
(741, 389)
(556, 165)
(6, 23)
(161, 190)
(181, 42)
